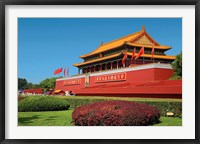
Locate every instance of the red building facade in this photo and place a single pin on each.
(103, 73)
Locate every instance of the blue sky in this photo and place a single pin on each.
(46, 44)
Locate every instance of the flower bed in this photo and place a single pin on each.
(115, 113)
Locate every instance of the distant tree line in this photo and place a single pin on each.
(177, 66)
(48, 83)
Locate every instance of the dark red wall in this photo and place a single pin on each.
(60, 85)
(36, 91)
(145, 75)
(161, 74)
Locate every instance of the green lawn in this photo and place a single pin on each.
(169, 121)
(63, 118)
(47, 118)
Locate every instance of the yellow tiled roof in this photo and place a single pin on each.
(121, 41)
(155, 56)
(149, 46)
(129, 53)
(112, 44)
(57, 91)
(97, 60)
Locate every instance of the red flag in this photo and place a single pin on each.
(141, 52)
(65, 72)
(124, 58)
(56, 72)
(152, 52)
(59, 70)
(133, 54)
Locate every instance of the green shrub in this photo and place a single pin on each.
(42, 103)
(175, 77)
(21, 97)
(79, 102)
(163, 105)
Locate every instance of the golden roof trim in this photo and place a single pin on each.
(96, 60)
(150, 46)
(129, 53)
(155, 56)
(57, 91)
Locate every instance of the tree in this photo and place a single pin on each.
(28, 86)
(31, 86)
(48, 83)
(22, 82)
(177, 66)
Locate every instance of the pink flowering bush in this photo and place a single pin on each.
(115, 113)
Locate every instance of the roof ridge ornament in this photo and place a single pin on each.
(143, 28)
(125, 42)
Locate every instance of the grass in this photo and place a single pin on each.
(120, 98)
(169, 121)
(45, 118)
(63, 118)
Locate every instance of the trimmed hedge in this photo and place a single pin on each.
(21, 98)
(42, 103)
(115, 113)
(164, 106)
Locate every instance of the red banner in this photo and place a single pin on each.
(72, 82)
(110, 77)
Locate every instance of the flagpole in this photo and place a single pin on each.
(152, 52)
(143, 60)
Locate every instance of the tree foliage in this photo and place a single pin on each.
(31, 86)
(177, 66)
(22, 82)
(48, 83)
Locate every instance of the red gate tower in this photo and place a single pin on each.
(134, 65)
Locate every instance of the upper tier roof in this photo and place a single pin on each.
(129, 54)
(133, 39)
